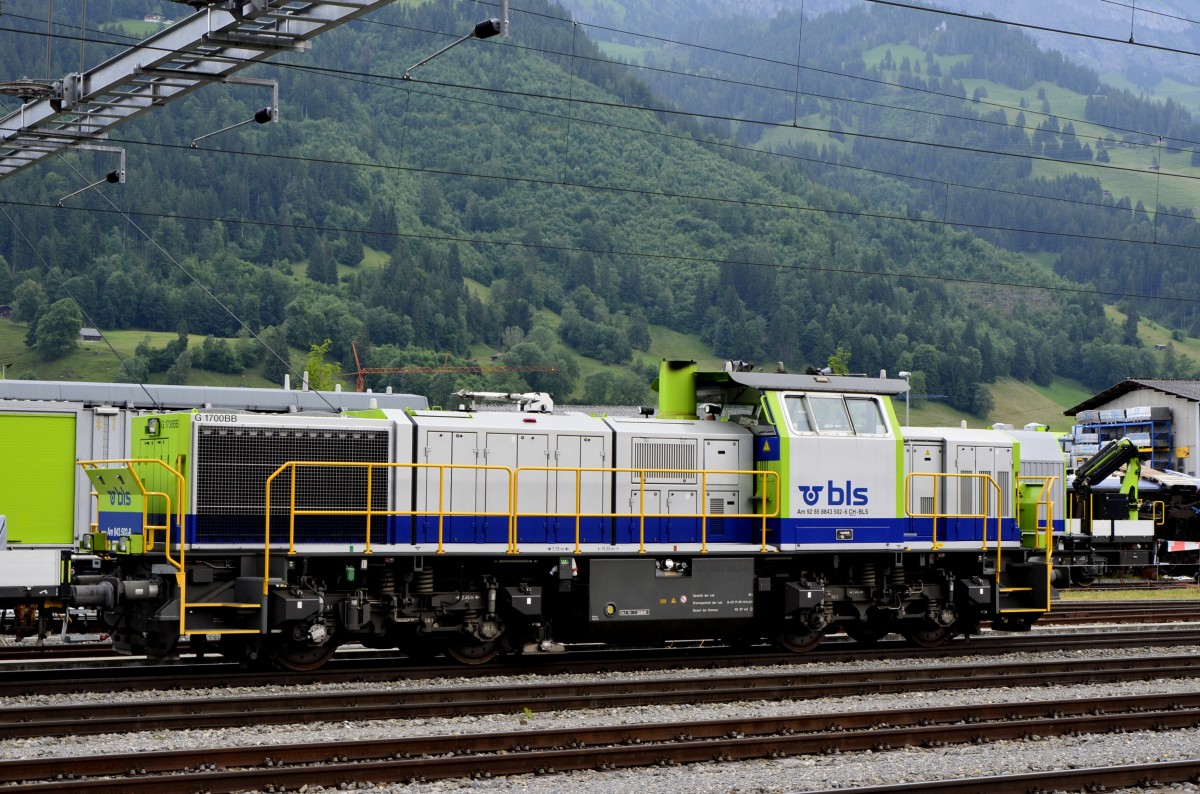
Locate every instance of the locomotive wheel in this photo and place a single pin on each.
(303, 658)
(928, 635)
(469, 650)
(799, 638)
(1082, 579)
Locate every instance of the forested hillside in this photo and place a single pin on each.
(1046, 163)
(370, 210)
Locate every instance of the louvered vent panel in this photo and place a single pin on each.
(966, 493)
(664, 454)
(1002, 479)
(716, 507)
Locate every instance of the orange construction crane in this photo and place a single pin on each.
(474, 369)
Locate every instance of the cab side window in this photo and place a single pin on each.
(867, 416)
(797, 413)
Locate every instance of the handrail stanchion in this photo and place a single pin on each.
(642, 512)
(441, 548)
(578, 508)
(367, 545)
(292, 512)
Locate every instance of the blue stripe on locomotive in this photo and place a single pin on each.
(886, 531)
(624, 530)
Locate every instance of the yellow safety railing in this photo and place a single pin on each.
(1045, 508)
(577, 514)
(986, 486)
(148, 529)
(1044, 503)
(176, 518)
(368, 511)
(511, 512)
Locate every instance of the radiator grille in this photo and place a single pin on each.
(664, 454)
(232, 466)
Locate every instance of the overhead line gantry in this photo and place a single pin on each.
(207, 47)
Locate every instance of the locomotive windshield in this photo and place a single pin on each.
(834, 414)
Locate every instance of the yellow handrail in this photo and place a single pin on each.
(1045, 500)
(148, 529)
(511, 512)
(987, 483)
(179, 513)
(368, 511)
(703, 514)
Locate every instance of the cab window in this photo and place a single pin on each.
(867, 416)
(797, 413)
(829, 415)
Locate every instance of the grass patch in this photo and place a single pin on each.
(1152, 334)
(95, 362)
(1136, 592)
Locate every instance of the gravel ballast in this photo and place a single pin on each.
(795, 774)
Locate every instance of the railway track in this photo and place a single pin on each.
(1122, 612)
(410, 703)
(372, 667)
(288, 767)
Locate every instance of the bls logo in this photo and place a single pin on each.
(837, 495)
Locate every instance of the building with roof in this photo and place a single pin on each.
(1161, 416)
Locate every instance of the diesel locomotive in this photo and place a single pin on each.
(747, 507)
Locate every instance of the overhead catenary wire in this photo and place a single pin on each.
(83, 312)
(204, 288)
(982, 102)
(841, 165)
(831, 164)
(838, 99)
(1042, 28)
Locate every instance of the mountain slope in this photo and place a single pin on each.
(517, 165)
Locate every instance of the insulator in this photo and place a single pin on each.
(866, 574)
(422, 581)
